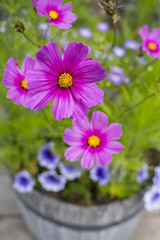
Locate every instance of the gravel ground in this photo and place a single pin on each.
(12, 226)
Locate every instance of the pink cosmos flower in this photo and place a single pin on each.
(34, 3)
(15, 80)
(93, 141)
(69, 80)
(58, 15)
(151, 41)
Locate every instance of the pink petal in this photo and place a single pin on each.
(17, 95)
(12, 75)
(74, 54)
(28, 64)
(81, 125)
(144, 33)
(89, 72)
(72, 137)
(63, 104)
(114, 131)
(155, 34)
(50, 60)
(99, 121)
(43, 5)
(69, 17)
(91, 94)
(60, 25)
(114, 147)
(73, 153)
(88, 159)
(103, 157)
(66, 7)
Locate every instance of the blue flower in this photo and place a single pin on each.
(132, 44)
(100, 175)
(116, 79)
(156, 179)
(102, 26)
(119, 52)
(127, 80)
(152, 199)
(142, 174)
(70, 172)
(116, 70)
(85, 32)
(51, 181)
(23, 182)
(46, 158)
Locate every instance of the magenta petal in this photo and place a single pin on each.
(17, 95)
(12, 75)
(144, 32)
(50, 60)
(72, 137)
(28, 64)
(155, 34)
(73, 153)
(63, 104)
(69, 17)
(99, 121)
(43, 5)
(61, 25)
(41, 99)
(81, 125)
(114, 131)
(91, 94)
(114, 147)
(103, 157)
(66, 7)
(89, 72)
(39, 80)
(75, 53)
(88, 159)
(80, 109)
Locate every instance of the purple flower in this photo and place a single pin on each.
(34, 3)
(23, 182)
(132, 44)
(15, 80)
(102, 26)
(142, 61)
(119, 52)
(156, 179)
(100, 175)
(70, 172)
(152, 199)
(151, 41)
(58, 15)
(127, 80)
(68, 80)
(93, 141)
(116, 70)
(116, 79)
(85, 32)
(142, 174)
(50, 181)
(46, 158)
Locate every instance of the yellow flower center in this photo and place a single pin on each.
(94, 141)
(65, 80)
(24, 84)
(152, 46)
(53, 14)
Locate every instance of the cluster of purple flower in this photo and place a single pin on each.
(50, 180)
(152, 196)
(116, 76)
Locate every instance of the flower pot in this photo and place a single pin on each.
(53, 219)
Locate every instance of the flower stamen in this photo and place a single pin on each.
(24, 84)
(65, 80)
(94, 141)
(53, 14)
(152, 46)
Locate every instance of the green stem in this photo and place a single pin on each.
(114, 34)
(137, 104)
(35, 44)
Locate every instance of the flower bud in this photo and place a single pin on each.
(19, 27)
(110, 7)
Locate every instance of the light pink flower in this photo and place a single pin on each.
(151, 41)
(93, 141)
(58, 15)
(15, 80)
